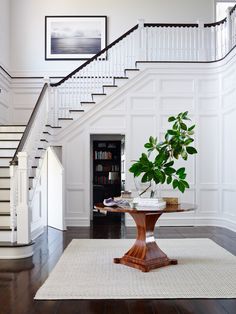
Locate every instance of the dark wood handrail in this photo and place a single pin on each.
(94, 57)
(14, 160)
(169, 25)
(215, 23)
(232, 10)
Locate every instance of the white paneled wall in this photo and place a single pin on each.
(140, 109)
(24, 94)
(5, 97)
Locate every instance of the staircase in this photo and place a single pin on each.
(9, 139)
(10, 136)
(63, 103)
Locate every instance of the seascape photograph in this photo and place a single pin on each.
(75, 37)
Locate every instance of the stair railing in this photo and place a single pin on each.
(144, 42)
(21, 168)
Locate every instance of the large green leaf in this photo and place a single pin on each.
(191, 150)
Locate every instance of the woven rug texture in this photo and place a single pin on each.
(86, 271)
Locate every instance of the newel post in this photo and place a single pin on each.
(13, 200)
(141, 46)
(23, 214)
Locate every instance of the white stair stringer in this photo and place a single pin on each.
(120, 84)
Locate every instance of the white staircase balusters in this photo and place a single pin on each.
(23, 214)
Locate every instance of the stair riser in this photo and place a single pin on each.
(9, 144)
(10, 136)
(109, 90)
(120, 82)
(131, 74)
(5, 236)
(12, 128)
(98, 98)
(4, 207)
(4, 195)
(7, 152)
(5, 172)
(5, 221)
(5, 161)
(4, 183)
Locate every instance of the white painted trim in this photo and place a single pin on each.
(37, 232)
(77, 222)
(16, 252)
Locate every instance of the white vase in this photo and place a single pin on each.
(147, 189)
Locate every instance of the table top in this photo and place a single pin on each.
(170, 208)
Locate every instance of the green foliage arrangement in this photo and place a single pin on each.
(177, 144)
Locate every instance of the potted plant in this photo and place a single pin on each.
(160, 168)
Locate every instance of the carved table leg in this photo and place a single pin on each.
(145, 253)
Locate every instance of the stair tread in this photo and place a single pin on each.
(14, 244)
(53, 127)
(4, 177)
(9, 140)
(4, 201)
(2, 189)
(88, 102)
(5, 228)
(12, 132)
(5, 214)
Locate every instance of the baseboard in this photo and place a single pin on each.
(16, 252)
(190, 221)
(77, 222)
(37, 232)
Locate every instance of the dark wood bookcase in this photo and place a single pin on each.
(106, 170)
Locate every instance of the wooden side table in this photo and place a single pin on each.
(145, 253)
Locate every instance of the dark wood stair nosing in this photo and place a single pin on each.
(3, 132)
(53, 127)
(12, 125)
(15, 244)
(98, 94)
(5, 214)
(5, 177)
(65, 119)
(9, 140)
(76, 110)
(3, 228)
(88, 102)
(110, 85)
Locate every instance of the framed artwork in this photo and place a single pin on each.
(74, 37)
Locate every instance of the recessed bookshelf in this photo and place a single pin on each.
(106, 169)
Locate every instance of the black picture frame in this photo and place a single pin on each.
(69, 37)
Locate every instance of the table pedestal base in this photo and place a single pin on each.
(145, 265)
(145, 253)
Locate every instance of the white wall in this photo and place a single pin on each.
(140, 109)
(5, 34)
(27, 25)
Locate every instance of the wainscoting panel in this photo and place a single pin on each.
(196, 88)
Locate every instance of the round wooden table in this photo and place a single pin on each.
(145, 253)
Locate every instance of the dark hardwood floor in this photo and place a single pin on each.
(19, 280)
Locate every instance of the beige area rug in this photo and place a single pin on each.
(86, 271)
